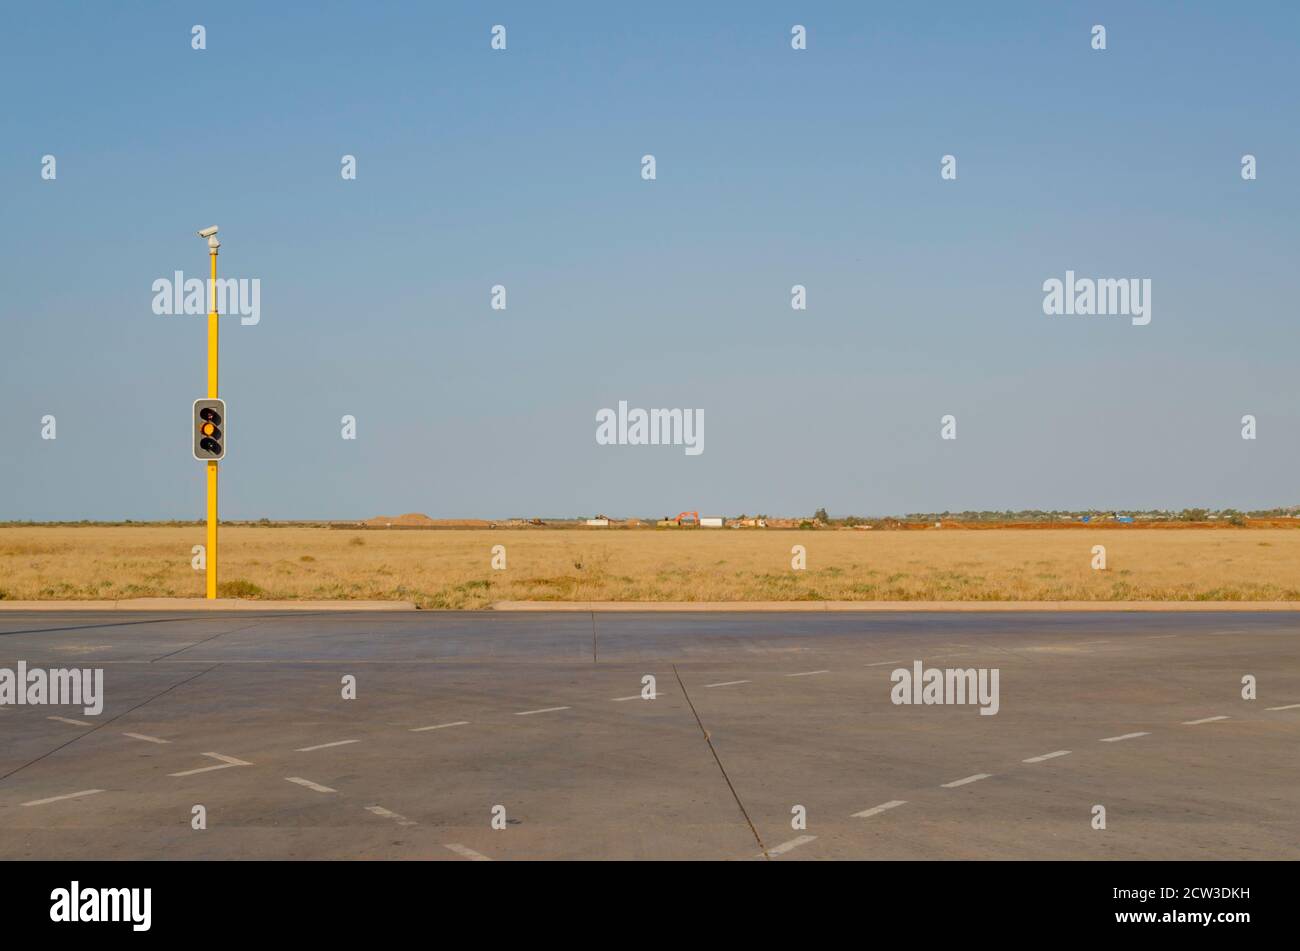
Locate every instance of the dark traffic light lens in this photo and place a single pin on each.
(209, 414)
(210, 445)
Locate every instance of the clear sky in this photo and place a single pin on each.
(775, 167)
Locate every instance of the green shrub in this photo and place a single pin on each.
(239, 588)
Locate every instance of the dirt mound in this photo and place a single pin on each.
(420, 520)
(410, 520)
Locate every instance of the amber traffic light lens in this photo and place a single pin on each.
(209, 438)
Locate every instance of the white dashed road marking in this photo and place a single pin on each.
(74, 795)
(147, 739)
(228, 760)
(729, 683)
(1289, 706)
(1204, 720)
(876, 810)
(325, 746)
(884, 663)
(1046, 756)
(226, 763)
(388, 814)
(309, 784)
(466, 852)
(73, 722)
(440, 726)
(1125, 736)
(785, 847)
(808, 673)
(968, 779)
(529, 713)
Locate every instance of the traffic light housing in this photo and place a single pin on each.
(209, 430)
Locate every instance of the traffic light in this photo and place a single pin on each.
(209, 430)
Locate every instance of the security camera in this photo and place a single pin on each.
(208, 232)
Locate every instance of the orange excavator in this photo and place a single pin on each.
(683, 515)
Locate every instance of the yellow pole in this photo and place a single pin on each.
(212, 466)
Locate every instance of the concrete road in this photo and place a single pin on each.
(541, 715)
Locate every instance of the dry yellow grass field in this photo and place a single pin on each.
(451, 569)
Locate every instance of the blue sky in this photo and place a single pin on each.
(775, 167)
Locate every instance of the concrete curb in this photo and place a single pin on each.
(202, 604)
(896, 606)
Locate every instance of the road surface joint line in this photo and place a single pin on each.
(964, 780)
(201, 642)
(713, 751)
(113, 719)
